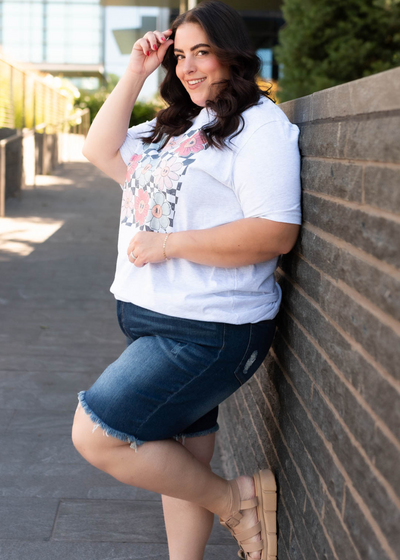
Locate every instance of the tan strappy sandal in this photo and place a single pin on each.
(265, 502)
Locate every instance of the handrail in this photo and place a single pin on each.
(23, 134)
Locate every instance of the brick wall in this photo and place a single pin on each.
(323, 412)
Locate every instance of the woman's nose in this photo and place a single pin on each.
(189, 65)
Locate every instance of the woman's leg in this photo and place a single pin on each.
(189, 525)
(165, 467)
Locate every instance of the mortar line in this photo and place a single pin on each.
(364, 508)
(347, 336)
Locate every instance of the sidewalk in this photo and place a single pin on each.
(58, 331)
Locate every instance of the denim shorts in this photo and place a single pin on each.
(173, 374)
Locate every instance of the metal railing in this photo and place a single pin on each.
(77, 123)
(28, 98)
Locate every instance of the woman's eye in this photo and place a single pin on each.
(202, 52)
(178, 57)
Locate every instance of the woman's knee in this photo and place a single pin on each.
(89, 442)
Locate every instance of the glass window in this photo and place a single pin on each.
(56, 54)
(266, 58)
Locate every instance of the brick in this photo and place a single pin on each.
(332, 103)
(368, 280)
(373, 493)
(301, 545)
(378, 339)
(286, 462)
(323, 139)
(371, 282)
(339, 396)
(343, 545)
(283, 528)
(318, 534)
(374, 389)
(381, 451)
(367, 94)
(319, 252)
(342, 180)
(292, 366)
(361, 531)
(282, 551)
(314, 444)
(382, 188)
(298, 110)
(373, 234)
(374, 138)
(303, 274)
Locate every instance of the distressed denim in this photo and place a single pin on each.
(173, 374)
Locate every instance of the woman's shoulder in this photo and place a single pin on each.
(265, 114)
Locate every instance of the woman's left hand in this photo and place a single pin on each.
(146, 247)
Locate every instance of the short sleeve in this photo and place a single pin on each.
(130, 145)
(266, 174)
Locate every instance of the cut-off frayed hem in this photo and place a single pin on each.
(134, 442)
(107, 431)
(197, 434)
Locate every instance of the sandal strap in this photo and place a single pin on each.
(253, 547)
(248, 533)
(232, 521)
(249, 504)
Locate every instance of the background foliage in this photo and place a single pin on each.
(329, 42)
(141, 112)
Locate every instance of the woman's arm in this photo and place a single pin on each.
(239, 243)
(108, 130)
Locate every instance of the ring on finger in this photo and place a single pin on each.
(133, 256)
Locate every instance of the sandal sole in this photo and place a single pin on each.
(265, 486)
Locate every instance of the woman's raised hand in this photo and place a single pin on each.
(149, 51)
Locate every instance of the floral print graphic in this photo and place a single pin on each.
(191, 145)
(171, 144)
(160, 209)
(145, 175)
(141, 206)
(154, 180)
(166, 173)
(132, 165)
(127, 204)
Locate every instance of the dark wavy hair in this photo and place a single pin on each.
(231, 45)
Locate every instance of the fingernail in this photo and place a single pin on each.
(147, 53)
(162, 38)
(155, 47)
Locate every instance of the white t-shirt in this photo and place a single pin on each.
(189, 185)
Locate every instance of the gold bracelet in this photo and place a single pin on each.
(164, 245)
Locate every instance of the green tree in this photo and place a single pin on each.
(329, 42)
(141, 112)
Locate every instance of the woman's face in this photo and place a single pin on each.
(197, 67)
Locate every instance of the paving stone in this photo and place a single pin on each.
(24, 452)
(117, 521)
(26, 518)
(17, 550)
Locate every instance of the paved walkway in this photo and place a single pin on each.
(57, 333)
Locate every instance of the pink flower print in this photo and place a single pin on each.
(165, 173)
(127, 204)
(191, 145)
(141, 206)
(145, 174)
(133, 163)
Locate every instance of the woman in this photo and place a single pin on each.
(211, 198)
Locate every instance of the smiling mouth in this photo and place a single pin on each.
(194, 82)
